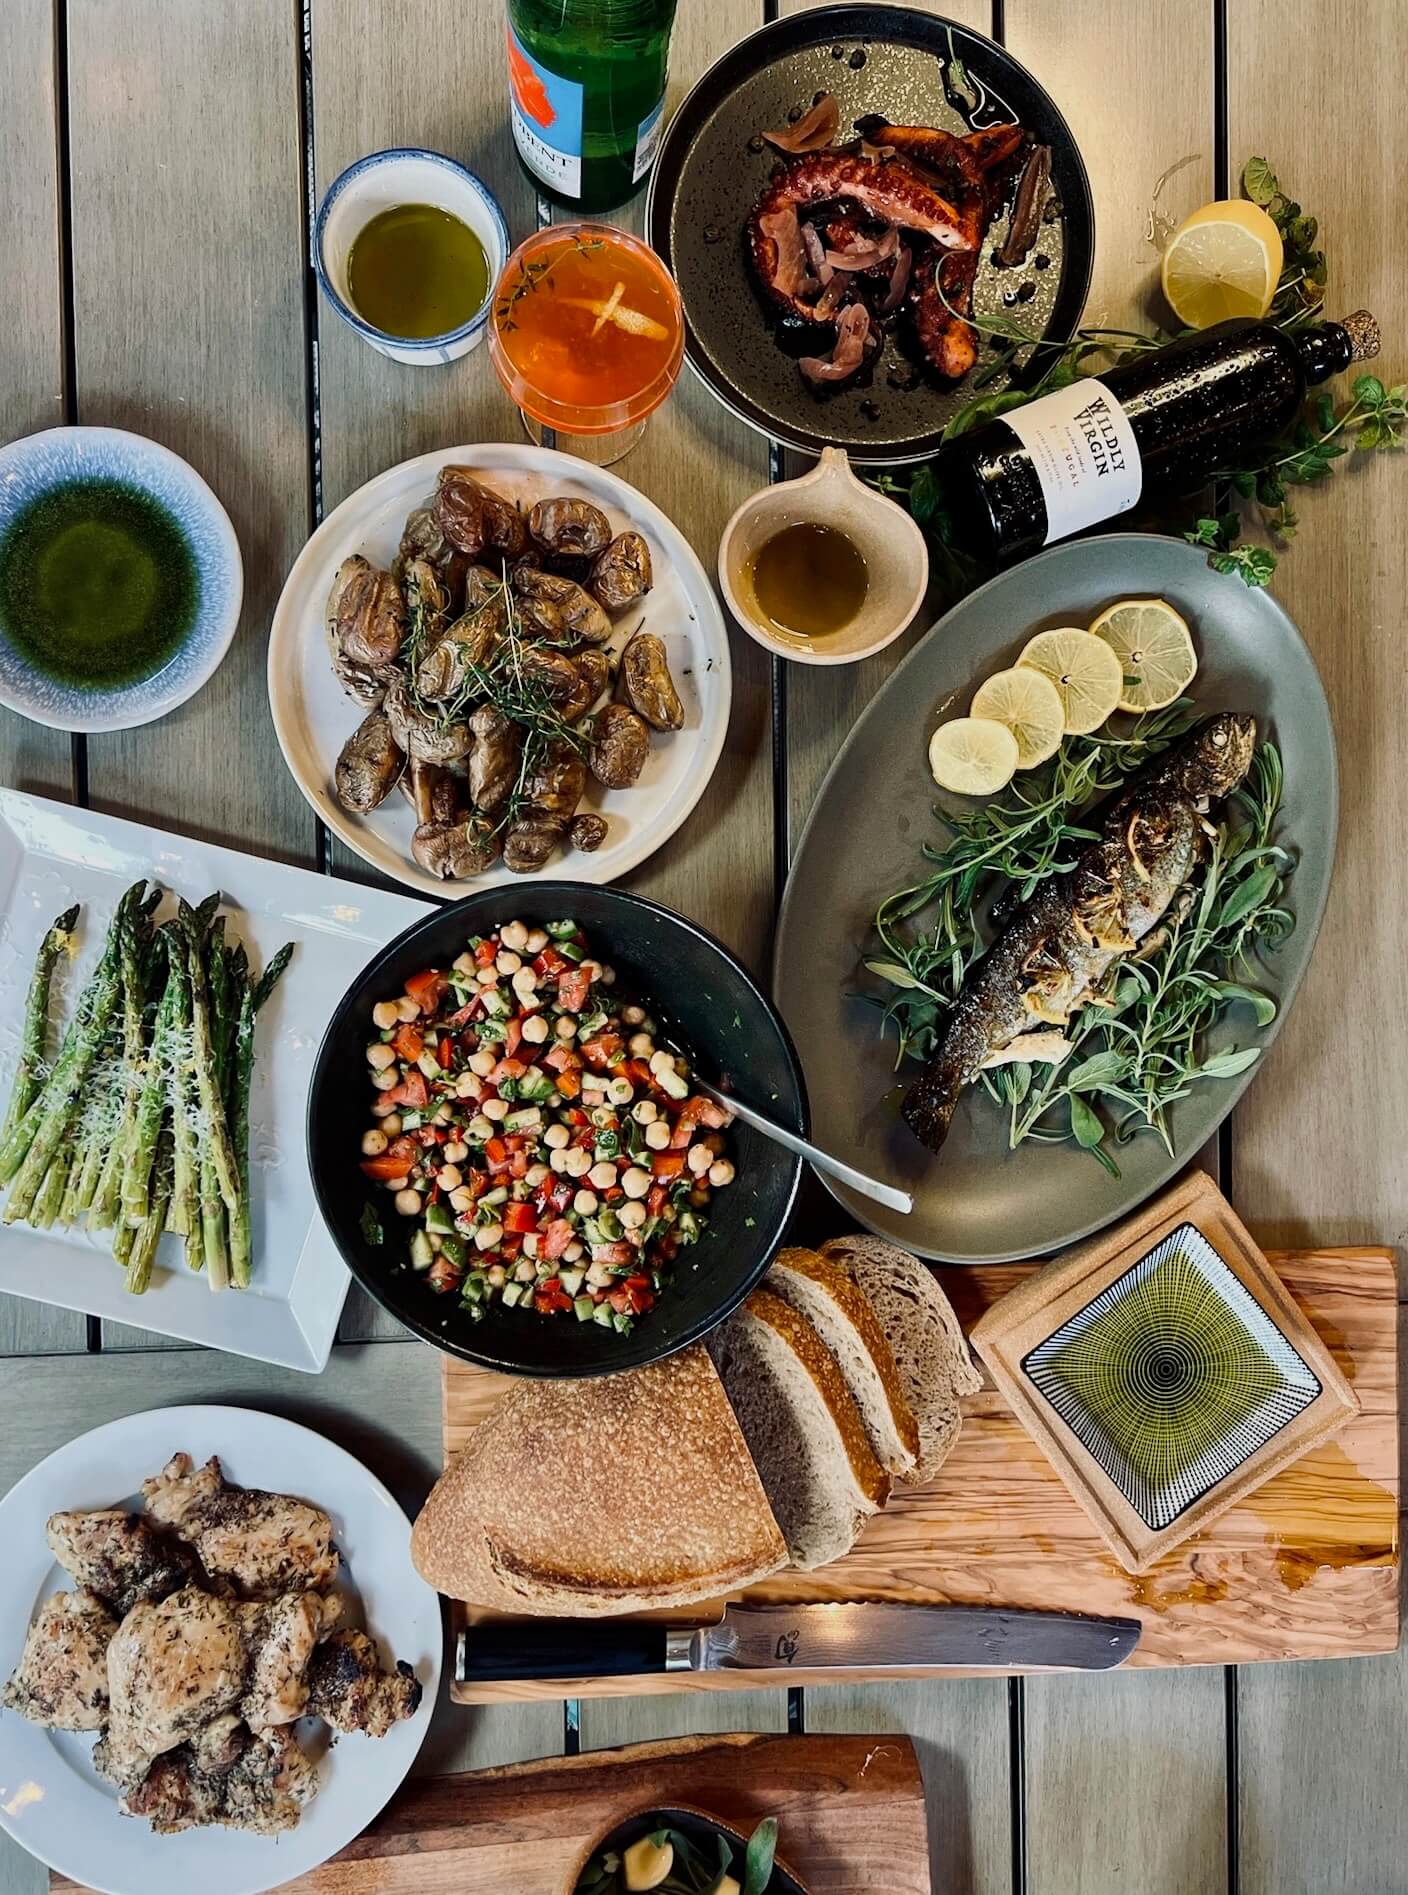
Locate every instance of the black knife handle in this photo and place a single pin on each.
(596, 1648)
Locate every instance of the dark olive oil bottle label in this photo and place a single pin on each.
(1084, 455)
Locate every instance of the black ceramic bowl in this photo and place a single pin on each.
(704, 999)
(700, 1829)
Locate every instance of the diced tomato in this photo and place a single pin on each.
(561, 1058)
(507, 1069)
(445, 1052)
(549, 1298)
(513, 1037)
(601, 1050)
(639, 1073)
(656, 1200)
(520, 1217)
(517, 1141)
(485, 953)
(427, 989)
(572, 990)
(412, 1091)
(569, 1083)
(464, 1016)
(550, 962)
(552, 1199)
(408, 1043)
(496, 1151)
(445, 1275)
(613, 1194)
(577, 1116)
(691, 1114)
(612, 1254)
(518, 1165)
(386, 1167)
(633, 1297)
(510, 1246)
(555, 1239)
(429, 1135)
(667, 1164)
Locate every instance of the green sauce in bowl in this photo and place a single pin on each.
(98, 585)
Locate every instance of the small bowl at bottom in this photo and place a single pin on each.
(887, 538)
(699, 1828)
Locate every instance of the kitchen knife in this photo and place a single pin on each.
(865, 1637)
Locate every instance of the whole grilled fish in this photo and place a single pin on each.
(1055, 953)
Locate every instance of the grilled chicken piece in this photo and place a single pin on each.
(62, 1677)
(348, 1687)
(1057, 951)
(263, 1788)
(264, 1544)
(121, 1556)
(171, 1668)
(369, 765)
(279, 1636)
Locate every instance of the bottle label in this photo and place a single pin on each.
(648, 142)
(1085, 455)
(547, 119)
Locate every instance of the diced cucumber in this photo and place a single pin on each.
(592, 1232)
(570, 951)
(410, 1120)
(526, 1118)
(585, 1308)
(512, 1294)
(453, 1249)
(475, 1287)
(440, 1219)
(508, 1087)
(672, 1083)
(571, 1280)
(609, 1224)
(621, 1322)
(591, 1023)
(496, 1002)
(688, 1227)
(533, 1085)
(499, 1195)
(604, 1314)
(430, 1065)
(489, 1031)
(560, 930)
(422, 1256)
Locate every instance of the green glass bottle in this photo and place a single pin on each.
(587, 95)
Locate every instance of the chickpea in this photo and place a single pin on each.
(599, 1275)
(514, 935)
(374, 1142)
(466, 964)
(566, 1028)
(407, 1009)
(535, 1029)
(525, 982)
(662, 1062)
(640, 1046)
(558, 1162)
(715, 1141)
(391, 1124)
(635, 1183)
(468, 1087)
(507, 963)
(384, 1080)
(607, 977)
(380, 1056)
(394, 1185)
(585, 1203)
(632, 1016)
(497, 1275)
(454, 1151)
(699, 1159)
(487, 1236)
(536, 1175)
(450, 1177)
(556, 1137)
(720, 1173)
(631, 1214)
(487, 976)
(645, 1112)
(383, 1109)
(602, 1175)
(408, 1202)
(384, 1014)
(657, 1135)
(573, 1253)
(443, 1114)
(479, 1127)
(461, 1199)
(482, 1063)
(579, 1162)
(535, 941)
(495, 1109)
(530, 1249)
(620, 1091)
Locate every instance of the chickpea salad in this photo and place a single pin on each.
(548, 1152)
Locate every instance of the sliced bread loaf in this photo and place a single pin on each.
(924, 1337)
(838, 1309)
(803, 1429)
(590, 1497)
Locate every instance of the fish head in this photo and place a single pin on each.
(1219, 754)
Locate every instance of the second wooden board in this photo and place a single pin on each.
(1306, 1567)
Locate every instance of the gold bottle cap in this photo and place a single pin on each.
(1363, 333)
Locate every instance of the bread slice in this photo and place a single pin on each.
(832, 1301)
(608, 1495)
(924, 1336)
(803, 1430)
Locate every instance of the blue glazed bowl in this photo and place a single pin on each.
(40, 463)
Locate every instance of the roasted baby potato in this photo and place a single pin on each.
(621, 572)
(455, 850)
(466, 643)
(575, 528)
(620, 746)
(475, 519)
(551, 796)
(593, 671)
(643, 681)
(368, 765)
(587, 832)
(493, 762)
(421, 736)
(559, 609)
(366, 615)
(421, 538)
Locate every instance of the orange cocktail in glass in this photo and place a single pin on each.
(587, 335)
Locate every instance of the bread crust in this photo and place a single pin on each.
(821, 1366)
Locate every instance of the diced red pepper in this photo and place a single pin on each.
(577, 1116)
(444, 1275)
(445, 1052)
(496, 1151)
(517, 1141)
(408, 1042)
(691, 1115)
(550, 962)
(427, 989)
(386, 1167)
(639, 1073)
(656, 1200)
(520, 1217)
(509, 1247)
(465, 1014)
(633, 1297)
(553, 1198)
(486, 953)
(612, 1254)
(553, 1241)
(601, 1050)
(569, 1083)
(550, 1298)
(667, 1164)
(561, 1058)
(507, 1069)
(572, 990)
(513, 1037)
(519, 1165)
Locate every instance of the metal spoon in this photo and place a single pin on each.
(885, 1194)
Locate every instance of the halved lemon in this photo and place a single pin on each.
(1029, 704)
(1155, 650)
(973, 756)
(1084, 670)
(1224, 260)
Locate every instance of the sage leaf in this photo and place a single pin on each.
(1101, 1069)
(1262, 1005)
(1086, 1127)
(1248, 895)
(757, 1864)
(899, 976)
(1227, 1065)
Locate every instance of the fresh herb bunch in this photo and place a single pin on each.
(1374, 417)
(691, 1872)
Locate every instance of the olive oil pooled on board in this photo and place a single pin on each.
(98, 586)
(417, 271)
(809, 580)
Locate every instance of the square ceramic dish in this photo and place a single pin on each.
(52, 855)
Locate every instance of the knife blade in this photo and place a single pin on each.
(842, 1637)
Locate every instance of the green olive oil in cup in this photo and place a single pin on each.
(98, 586)
(809, 579)
(417, 271)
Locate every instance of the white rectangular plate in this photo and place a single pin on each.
(52, 855)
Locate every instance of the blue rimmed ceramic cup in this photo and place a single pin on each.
(63, 458)
(380, 182)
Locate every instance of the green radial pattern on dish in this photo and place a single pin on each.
(1172, 1376)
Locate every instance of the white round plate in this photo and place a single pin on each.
(314, 716)
(55, 1804)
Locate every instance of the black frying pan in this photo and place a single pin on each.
(876, 59)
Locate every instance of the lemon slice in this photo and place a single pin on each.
(1224, 260)
(1084, 670)
(1029, 704)
(972, 756)
(1155, 650)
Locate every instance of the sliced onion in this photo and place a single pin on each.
(814, 131)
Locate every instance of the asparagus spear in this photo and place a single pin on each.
(251, 1001)
(51, 1192)
(139, 1136)
(28, 1072)
(217, 1131)
(94, 1133)
(147, 1236)
(212, 1208)
(25, 1156)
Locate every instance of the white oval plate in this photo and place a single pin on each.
(314, 716)
(55, 1804)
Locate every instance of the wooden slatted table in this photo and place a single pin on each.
(158, 158)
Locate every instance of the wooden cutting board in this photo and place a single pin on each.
(1306, 1567)
(850, 1812)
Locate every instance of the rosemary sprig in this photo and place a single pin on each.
(536, 273)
